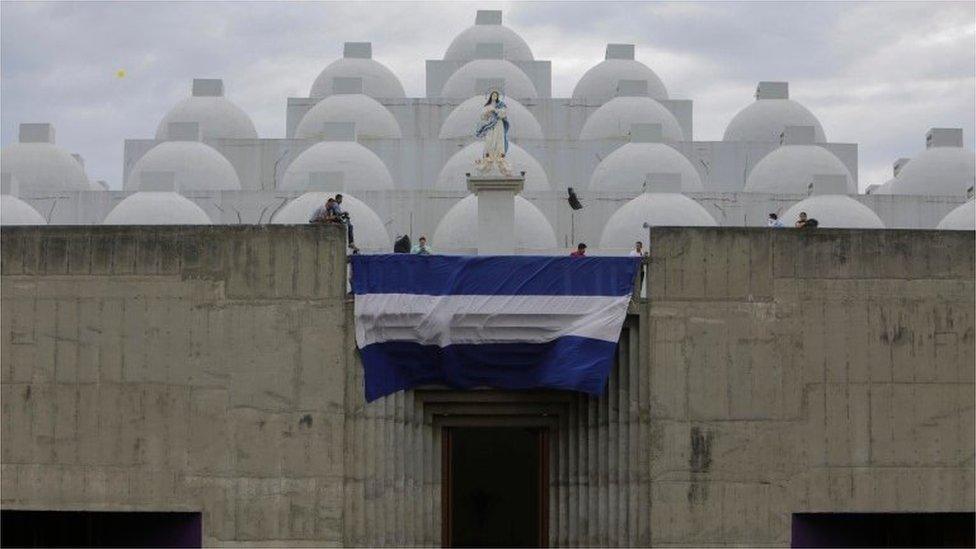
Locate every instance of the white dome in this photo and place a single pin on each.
(626, 168)
(371, 234)
(600, 82)
(360, 167)
(43, 167)
(945, 171)
(464, 119)
(834, 211)
(452, 174)
(789, 169)
(14, 211)
(156, 208)
(963, 218)
(378, 81)
(765, 119)
(458, 230)
(217, 116)
(463, 46)
(614, 118)
(373, 120)
(626, 225)
(196, 167)
(464, 81)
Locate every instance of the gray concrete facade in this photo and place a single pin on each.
(214, 369)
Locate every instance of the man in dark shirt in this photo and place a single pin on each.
(341, 216)
(580, 251)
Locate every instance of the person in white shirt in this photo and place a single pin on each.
(773, 221)
(422, 248)
(638, 250)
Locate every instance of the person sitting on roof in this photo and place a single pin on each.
(421, 247)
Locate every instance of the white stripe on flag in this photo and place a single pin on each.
(449, 319)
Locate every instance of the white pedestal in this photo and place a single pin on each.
(496, 212)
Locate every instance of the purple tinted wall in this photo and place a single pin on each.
(100, 529)
(883, 529)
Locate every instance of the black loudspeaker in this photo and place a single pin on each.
(574, 202)
(402, 245)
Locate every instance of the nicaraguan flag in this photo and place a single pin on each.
(510, 322)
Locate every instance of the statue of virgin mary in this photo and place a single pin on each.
(494, 131)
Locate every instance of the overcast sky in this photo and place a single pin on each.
(877, 74)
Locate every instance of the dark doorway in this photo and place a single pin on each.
(495, 486)
(883, 529)
(99, 529)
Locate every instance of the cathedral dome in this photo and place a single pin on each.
(626, 225)
(601, 82)
(14, 211)
(963, 218)
(946, 171)
(464, 81)
(156, 208)
(371, 234)
(465, 118)
(457, 231)
(627, 168)
(357, 63)
(39, 165)
(452, 176)
(771, 113)
(488, 29)
(195, 165)
(790, 169)
(217, 117)
(373, 120)
(614, 118)
(358, 167)
(834, 211)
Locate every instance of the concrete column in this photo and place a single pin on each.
(496, 212)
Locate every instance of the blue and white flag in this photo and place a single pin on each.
(510, 322)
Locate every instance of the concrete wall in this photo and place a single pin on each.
(213, 369)
(177, 369)
(805, 372)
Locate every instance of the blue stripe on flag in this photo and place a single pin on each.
(570, 362)
(492, 275)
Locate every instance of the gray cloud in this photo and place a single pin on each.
(877, 74)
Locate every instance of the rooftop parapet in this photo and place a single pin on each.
(488, 17)
(898, 165)
(773, 90)
(208, 87)
(943, 137)
(620, 51)
(357, 50)
(36, 133)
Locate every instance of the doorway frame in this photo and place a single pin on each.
(447, 473)
(542, 409)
